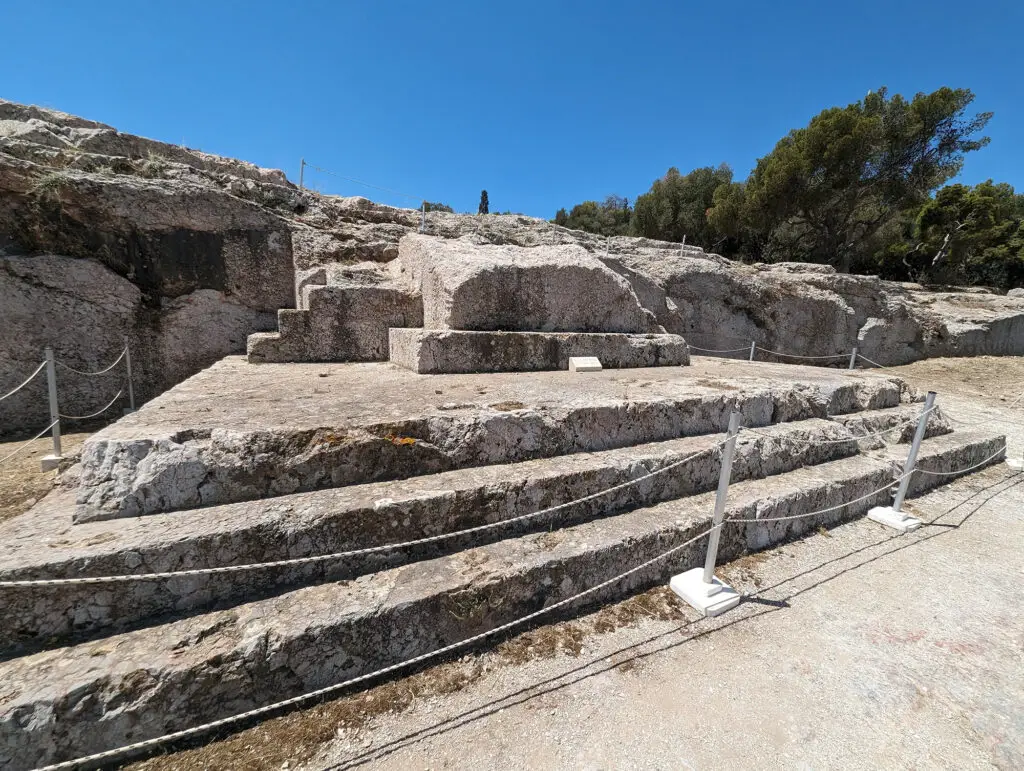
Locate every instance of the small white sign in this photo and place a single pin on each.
(584, 364)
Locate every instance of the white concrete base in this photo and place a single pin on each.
(50, 462)
(886, 515)
(1017, 464)
(710, 599)
(584, 364)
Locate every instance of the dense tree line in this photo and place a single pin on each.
(862, 187)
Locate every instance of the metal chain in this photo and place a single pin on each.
(27, 381)
(93, 415)
(37, 436)
(59, 363)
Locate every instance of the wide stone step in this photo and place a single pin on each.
(60, 704)
(42, 544)
(446, 351)
(136, 471)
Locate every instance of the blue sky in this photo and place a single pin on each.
(544, 104)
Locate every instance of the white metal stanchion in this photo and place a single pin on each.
(423, 217)
(131, 385)
(50, 462)
(753, 347)
(892, 516)
(853, 358)
(698, 586)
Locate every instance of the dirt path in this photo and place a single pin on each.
(855, 649)
(21, 481)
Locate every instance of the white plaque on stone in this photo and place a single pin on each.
(584, 364)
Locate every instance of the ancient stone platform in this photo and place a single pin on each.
(439, 351)
(243, 464)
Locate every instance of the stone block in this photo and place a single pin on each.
(584, 364)
(544, 288)
(435, 351)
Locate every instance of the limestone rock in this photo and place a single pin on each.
(545, 288)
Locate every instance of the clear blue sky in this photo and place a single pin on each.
(545, 104)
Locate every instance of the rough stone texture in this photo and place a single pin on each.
(509, 288)
(219, 245)
(236, 432)
(438, 351)
(1019, 292)
(104, 235)
(67, 702)
(341, 323)
(45, 544)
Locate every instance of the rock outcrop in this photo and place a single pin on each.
(105, 235)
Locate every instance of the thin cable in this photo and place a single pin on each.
(86, 417)
(869, 361)
(719, 350)
(296, 700)
(367, 184)
(825, 511)
(1000, 451)
(797, 356)
(98, 372)
(37, 436)
(295, 561)
(27, 381)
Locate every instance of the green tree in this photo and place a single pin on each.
(484, 204)
(430, 206)
(970, 235)
(677, 206)
(608, 218)
(827, 190)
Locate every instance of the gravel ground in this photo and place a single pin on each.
(21, 481)
(854, 648)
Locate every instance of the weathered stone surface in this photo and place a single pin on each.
(236, 432)
(105, 235)
(68, 702)
(45, 544)
(508, 288)
(340, 323)
(439, 351)
(1019, 292)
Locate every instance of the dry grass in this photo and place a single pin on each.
(21, 481)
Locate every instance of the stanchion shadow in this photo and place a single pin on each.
(603, 663)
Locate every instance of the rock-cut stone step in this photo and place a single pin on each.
(139, 474)
(64, 703)
(42, 544)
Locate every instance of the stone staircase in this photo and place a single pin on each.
(91, 666)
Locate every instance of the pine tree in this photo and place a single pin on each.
(483, 203)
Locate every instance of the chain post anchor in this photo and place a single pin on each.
(893, 516)
(699, 587)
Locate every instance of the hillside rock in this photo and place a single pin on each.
(105, 235)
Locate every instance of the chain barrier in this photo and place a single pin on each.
(27, 380)
(997, 453)
(797, 356)
(330, 689)
(22, 447)
(104, 371)
(93, 415)
(297, 561)
(716, 350)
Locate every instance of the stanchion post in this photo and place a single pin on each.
(853, 357)
(423, 217)
(128, 366)
(302, 172)
(753, 348)
(893, 516)
(698, 586)
(50, 462)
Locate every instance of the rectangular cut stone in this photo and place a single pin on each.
(584, 364)
(439, 351)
